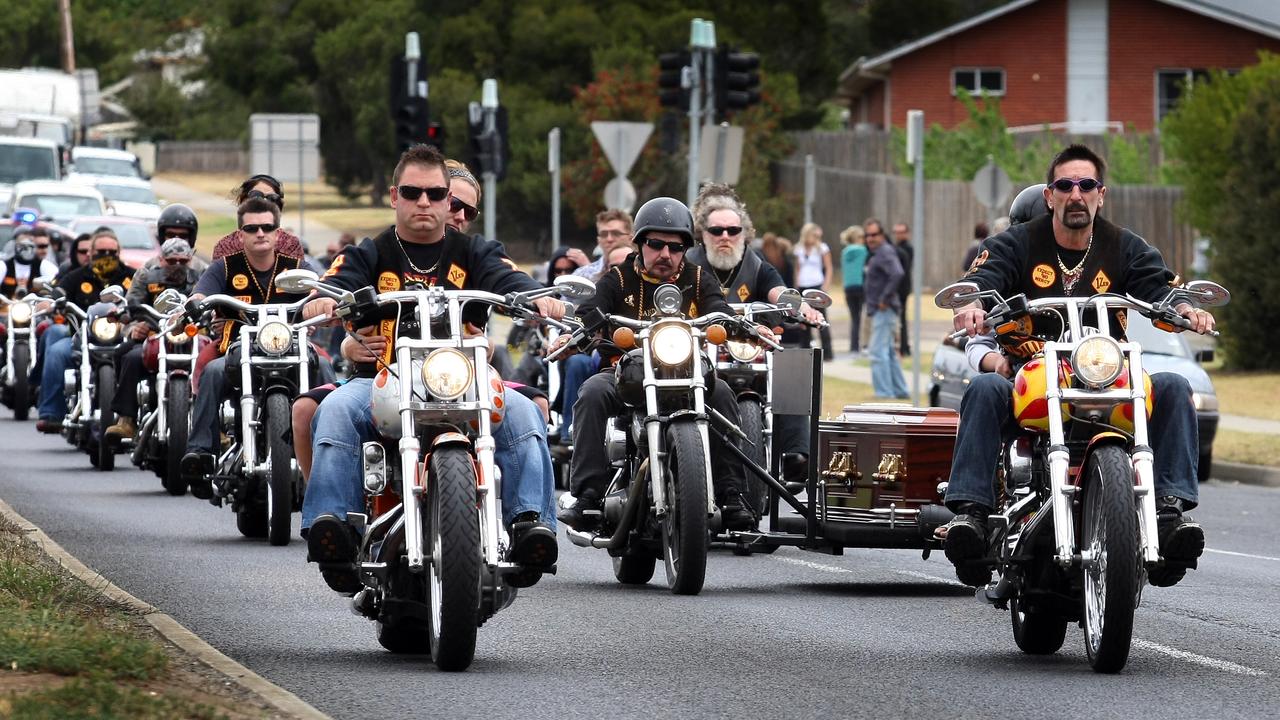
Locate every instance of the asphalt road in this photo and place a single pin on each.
(870, 634)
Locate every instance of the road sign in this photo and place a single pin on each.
(622, 142)
(285, 146)
(620, 194)
(721, 153)
(991, 185)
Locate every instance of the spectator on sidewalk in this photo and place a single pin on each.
(813, 271)
(884, 274)
(852, 261)
(906, 255)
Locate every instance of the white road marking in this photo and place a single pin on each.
(839, 570)
(1216, 664)
(1240, 554)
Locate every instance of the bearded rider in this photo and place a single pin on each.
(1070, 251)
(81, 287)
(724, 225)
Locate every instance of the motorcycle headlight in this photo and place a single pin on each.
(274, 338)
(1097, 361)
(447, 373)
(743, 352)
(20, 313)
(672, 344)
(105, 330)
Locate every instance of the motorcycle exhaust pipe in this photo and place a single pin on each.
(634, 494)
(932, 517)
(141, 435)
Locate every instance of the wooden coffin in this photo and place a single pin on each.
(880, 464)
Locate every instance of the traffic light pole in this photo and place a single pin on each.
(695, 118)
(489, 103)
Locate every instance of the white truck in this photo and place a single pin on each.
(40, 110)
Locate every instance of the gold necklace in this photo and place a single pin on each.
(415, 268)
(253, 275)
(1072, 276)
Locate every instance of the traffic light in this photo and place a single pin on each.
(412, 123)
(671, 90)
(490, 151)
(737, 80)
(435, 136)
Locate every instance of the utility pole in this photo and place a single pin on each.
(702, 45)
(553, 167)
(915, 156)
(68, 37)
(489, 105)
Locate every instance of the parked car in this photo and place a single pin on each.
(59, 202)
(105, 162)
(130, 197)
(137, 237)
(23, 159)
(1161, 352)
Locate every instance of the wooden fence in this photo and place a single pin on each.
(848, 197)
(212, 156)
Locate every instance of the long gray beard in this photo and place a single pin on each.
(726, 261)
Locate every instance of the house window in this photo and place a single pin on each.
(988, 81)
(1172, 84)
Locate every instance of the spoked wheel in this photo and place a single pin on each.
(280, 479)
(751, 422)
(684, 529)
(178, 415)
(1037, 632)
(106, 394)
(21, 383)
(452, 528)
(1109, 536)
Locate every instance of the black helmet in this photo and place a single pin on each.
(663, 214)
(177, 216)
(1028, 205)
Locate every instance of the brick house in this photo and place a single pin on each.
(1085, 66)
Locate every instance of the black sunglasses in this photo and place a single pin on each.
(413, 192)
(731, 231)
(656, 245)
(1064, 185)
(45, 246)
(469, 212)
(562, 270)
(265, 228)
(274, 198)
(105, 253)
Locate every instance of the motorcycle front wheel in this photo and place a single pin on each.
(1109, 536)
(106, 417)
(177, 412)
(21, 383)
(280, 481)
(452, 528)
(684, 529)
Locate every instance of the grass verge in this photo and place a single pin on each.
(1253, 394)
(68, 651)
(1246, 447)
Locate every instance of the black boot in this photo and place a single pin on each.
(1181, 543)
(333, 545)
(734, 515)
(965, 543)
(533, 545)
(585, 513)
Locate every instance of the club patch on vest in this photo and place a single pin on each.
(239, 281)
(1043, 275)
(388, 282)
(333, 267)
(457, 276)
(977, 262)
(743, 293)
(1101, 282)
(86, 287)
(154, 288)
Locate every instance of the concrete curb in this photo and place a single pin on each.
(171, 629)
(1246, 474)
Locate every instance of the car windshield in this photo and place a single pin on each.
(62, 205)
(126, 193)
(23, 162)
(105, 166)
(1141, 331)
(133, 236)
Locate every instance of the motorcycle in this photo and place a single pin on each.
(164, 401)
(90, 383)
(19, 355)
(257, 473)
(1075, 529)
(431, 554)
(660, 502)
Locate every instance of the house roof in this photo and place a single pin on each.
(1260, 16)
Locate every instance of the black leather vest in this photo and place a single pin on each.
(243, 285)
(743, 285)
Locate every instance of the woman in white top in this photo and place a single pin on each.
(813, 270)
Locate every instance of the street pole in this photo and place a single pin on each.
(695, 113)
(915, 129)
(702, 43)
(302, 193)
(810, 187)
(68, 37)
(553, 166)
(489, 102)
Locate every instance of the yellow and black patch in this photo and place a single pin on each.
(977, 262)
(1043, 275)
(239, 281)
(1101, 282)
(457, 276)
(743, 292)
(86, 287)
(333, 268)
(388, 282)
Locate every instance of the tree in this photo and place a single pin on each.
(1223, 139)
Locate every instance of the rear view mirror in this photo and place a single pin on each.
(956, 295)
(1205, 356)
(296, 281)
(112, 294)
(816, 298)
(790, 298)
(169, 300)
(575, 287)
(1205, 293)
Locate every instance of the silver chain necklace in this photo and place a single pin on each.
(1072, 276)
(415, 268)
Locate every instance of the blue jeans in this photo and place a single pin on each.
(56, 346)
(344, 421)
(986, 418)
(886, 374)
(577, 368)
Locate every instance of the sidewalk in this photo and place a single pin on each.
(317, 237)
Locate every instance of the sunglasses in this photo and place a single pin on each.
(273, 198)
(413, 192)
(169, 235)
(45, 246)
(177, 261)
(105, 253)
(731, 231)
(83, 251)
(612, 233)
(562, 270)
(675, 248)
(455, 205)
(264, 228)
(1064, 185)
